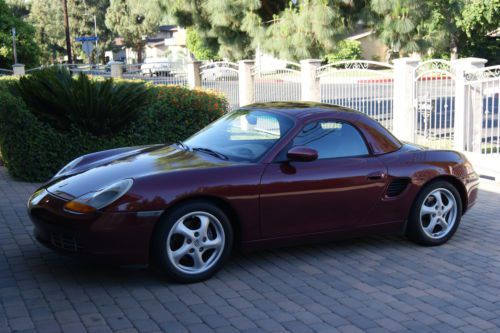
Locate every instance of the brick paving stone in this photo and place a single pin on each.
(371, 284)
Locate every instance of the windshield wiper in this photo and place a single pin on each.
(182, 145)
(211, 152)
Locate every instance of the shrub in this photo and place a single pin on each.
(8, 82)
(34, 150)
(345, 50)
(96, 106)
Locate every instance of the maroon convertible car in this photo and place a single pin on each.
(265, 175)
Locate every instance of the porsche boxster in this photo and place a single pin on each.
(265, 175)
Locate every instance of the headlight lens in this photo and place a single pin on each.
(93, 201)
(69, 166)
(37, 197)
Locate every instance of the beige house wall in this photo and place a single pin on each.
(372, 48)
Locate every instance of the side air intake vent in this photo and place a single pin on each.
(397, 186)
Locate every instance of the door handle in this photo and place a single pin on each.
(376, 175)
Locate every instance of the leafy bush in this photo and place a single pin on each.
(33, 149)
(8, 82)
(345, 50)
(96, 106)
(201, 48)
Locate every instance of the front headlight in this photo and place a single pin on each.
(37, 197)
(69, 166)
(93, 201)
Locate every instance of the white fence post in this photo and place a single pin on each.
(468, 125)
(246, 87)
(194, 74)
(311, 90)
(117, 69)
(404, 80)
(18, 69)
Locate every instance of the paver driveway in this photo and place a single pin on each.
(370, 284)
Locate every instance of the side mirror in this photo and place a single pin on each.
(302, 154)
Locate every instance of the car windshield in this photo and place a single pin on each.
(242, 135)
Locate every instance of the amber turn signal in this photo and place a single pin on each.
(78, 207)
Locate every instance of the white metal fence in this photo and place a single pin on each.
(366, 86)
(5, 72)
(89, 69)
(434, 104)
(282, 84)
(482, 125)
(222, 76)
(157, 72)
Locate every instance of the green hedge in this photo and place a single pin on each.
(7, 82)
(35, 151)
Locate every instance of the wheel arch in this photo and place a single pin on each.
(459, 186)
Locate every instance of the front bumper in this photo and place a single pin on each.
(119, 238)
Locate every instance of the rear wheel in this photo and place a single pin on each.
(192, 242)
(436, 214)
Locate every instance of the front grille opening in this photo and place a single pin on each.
(65, 242)
(397, 186)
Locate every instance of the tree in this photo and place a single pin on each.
(66, 31)
(345, 50)
(20, 8)
(47, 17)
(438, 28)
(82, 15)
(27, 51)
(396, 23)
(197, 46)
(478, 20)
(289, 30)
(134, 20)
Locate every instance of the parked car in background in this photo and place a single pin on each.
(265, 175)
(218, 71)
(156, 67)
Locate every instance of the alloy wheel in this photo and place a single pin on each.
(438, 213)
(195, 242)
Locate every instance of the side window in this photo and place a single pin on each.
(331, 139)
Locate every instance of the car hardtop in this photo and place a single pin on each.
(378, 137)
(301, 110)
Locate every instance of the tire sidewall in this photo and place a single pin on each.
(159, 246)
(415, 229)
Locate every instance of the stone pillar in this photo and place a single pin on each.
(246, 90)
(194, 74)
(117, 69)
(311, 91)
(19, 69)
(468, 106)
(403, 108)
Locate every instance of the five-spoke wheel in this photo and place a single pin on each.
(195, 242)
(435, 214)
(192, 241)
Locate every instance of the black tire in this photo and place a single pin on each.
(415, 229)
(159, 251)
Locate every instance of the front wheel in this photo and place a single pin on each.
(192, 242)
(436, 214)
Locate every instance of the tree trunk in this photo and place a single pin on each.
(140, 48)
(66, 30)
(453, 48)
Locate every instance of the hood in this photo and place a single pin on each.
(140, 163)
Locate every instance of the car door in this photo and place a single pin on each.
(334, 192)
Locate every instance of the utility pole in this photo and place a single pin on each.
(66, 30)
(96, 41)
(14, 48)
